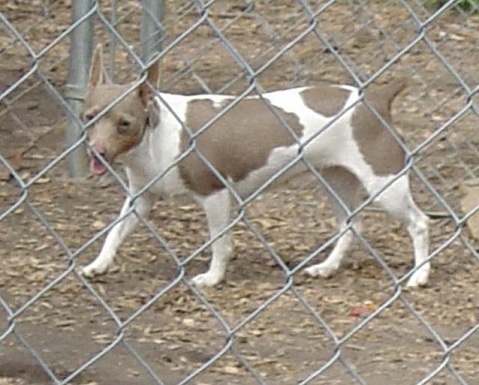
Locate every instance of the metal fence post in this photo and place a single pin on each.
(79, 63)
(151, 28)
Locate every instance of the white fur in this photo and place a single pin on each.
(335, 145)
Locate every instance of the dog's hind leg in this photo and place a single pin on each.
(346, 187)
(398, 202)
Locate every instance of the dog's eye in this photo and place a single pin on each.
(88, 117)
(124, 126)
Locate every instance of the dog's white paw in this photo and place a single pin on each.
(207, 280)
(94, 269)
(419, 278)
(321, 270)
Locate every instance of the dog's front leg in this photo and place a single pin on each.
(217, 209)
(141, 206)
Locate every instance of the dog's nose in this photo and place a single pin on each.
(98, 147)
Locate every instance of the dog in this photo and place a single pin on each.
(216, 148)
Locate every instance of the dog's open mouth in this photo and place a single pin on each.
(97, 166)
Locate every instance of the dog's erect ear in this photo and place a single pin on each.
(98, 74)
(146, 93)
(153, 114)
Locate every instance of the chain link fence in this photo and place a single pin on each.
(268, 323)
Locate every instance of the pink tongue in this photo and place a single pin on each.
(97, 167)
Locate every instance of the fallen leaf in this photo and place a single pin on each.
(359, 311)
(190, 322)
(97, 225)
(230, 370)
(43, 180)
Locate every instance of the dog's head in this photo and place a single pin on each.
(122, 113)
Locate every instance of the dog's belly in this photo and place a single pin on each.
(290, 165)
(284, 166)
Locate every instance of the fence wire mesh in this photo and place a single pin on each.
(144, 322)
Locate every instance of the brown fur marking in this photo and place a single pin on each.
(235, 144)
(325, 99)
(105, 131)
(378, 146)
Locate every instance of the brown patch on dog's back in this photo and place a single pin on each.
(325, 99)
(235, 144)
(376, 143)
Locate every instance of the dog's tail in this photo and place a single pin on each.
(389, 91)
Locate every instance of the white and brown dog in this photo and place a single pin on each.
(201, 143)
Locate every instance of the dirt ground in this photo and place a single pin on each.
(356, 322)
